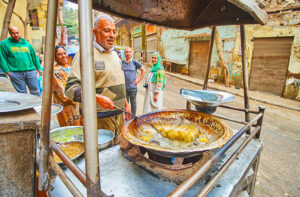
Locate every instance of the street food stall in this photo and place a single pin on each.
(142, 166)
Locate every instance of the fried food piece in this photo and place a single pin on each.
(186, 133)
(203, 139)
(146, 138)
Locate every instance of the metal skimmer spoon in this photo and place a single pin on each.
(123, 110)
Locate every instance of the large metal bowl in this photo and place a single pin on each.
(75, 133)
(131, 129)
(67, 134)
(105, 138)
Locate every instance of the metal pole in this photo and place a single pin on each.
(239, 109)
(89, 98)
(188, 105)
(204, 191)
(232, 120)
(64, 178)
(69, 163)
(188, 183)
(47, 94)
(260, 121)
(6, 22)
(245, 71)
(211, 46)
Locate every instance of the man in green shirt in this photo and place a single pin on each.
(19, 61)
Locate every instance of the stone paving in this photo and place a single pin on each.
(5, 85)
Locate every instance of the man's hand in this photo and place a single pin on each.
(40, 72)
(143, 71)
(128, 110)
(155, 97)
(8, 73)
(104, 102)
(135, 82)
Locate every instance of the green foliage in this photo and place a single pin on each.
(70, 18)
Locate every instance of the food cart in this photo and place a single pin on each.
(128, 178)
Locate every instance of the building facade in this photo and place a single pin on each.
(273, 51)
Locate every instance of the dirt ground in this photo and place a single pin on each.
(279, 169)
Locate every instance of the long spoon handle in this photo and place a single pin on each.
(123, 110)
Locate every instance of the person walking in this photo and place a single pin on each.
(70, 115)
(130, 67)
(20, 62)
(155, 84)
(109, 78)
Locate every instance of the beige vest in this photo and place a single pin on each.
(109, 76)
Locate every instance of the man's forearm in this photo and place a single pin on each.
(73, 89)
(77, 95)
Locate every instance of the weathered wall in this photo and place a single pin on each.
(15, 21)
(176, 45)
(124, 36)
(279, 25)
(34, 36)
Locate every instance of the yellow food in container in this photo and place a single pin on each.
(71, 149)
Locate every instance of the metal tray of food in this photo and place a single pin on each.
(14, 101)
(73, 149)
(67, 134)
(75, 133)
(206, 97)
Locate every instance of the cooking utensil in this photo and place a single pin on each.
(123, 110)
(133, 128)
(105, 138)
(67, 134)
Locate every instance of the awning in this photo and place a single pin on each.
(185, 14)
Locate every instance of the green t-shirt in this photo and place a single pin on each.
(18, 56)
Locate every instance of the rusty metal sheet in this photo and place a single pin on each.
(224, 131)
(185, 14)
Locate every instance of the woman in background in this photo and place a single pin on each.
(155, 84)
(70, 114)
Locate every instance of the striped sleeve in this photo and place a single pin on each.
(73, 85)
(73, 89)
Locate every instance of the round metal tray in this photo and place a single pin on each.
(55, 109)
(14, 101)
